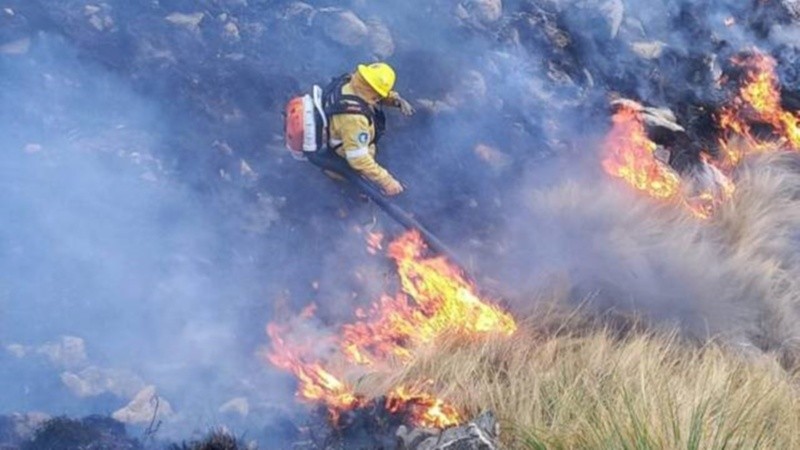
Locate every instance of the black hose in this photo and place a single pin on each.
(337, 165)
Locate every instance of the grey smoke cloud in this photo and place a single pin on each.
(132, 224)
(102, 242)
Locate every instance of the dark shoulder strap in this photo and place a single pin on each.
(335, 103)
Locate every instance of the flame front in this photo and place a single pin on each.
(436, 298)
(758, 101)
(630, 155)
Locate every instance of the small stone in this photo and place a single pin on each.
(298, 11)
(492, 156)
(189, 21)
(792, 8)
(93, 381)
(648, 50)
(480, 434)
(484, 11)
(246, 171)
(231, 31)
(144, 407)
(96, 22)
(653, 117)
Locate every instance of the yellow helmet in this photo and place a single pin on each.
(380, 76)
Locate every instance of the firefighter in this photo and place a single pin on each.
(353, 104)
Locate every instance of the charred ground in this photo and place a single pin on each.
(504, 89)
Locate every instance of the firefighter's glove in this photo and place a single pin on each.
(404, 105)
(392, 188)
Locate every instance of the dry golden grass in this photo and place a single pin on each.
(594, 389)
(726, 378)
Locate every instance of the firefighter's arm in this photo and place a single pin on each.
(394, 99)
(356, 138)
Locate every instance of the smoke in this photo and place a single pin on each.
(102, 243)
(152, 213)
(733, 277)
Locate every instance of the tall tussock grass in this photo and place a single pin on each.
(717, 367)
(594, 388)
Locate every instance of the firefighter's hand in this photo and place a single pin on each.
(392, 188)
(405, 106)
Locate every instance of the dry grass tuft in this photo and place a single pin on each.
(726, 377)
(580, 386)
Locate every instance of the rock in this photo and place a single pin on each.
(238, 406)
(470, 91)
(480, 434)
(247, 172)
(298, 11)
(99, 17)
(611, 12)
(648, 50)
(343, 26)
(380, 40)
(94, 381)
(189, 21)
(483, 11)
(653, 117)
(144, 407)
(792, 8)
(231, 32)
(492, 156)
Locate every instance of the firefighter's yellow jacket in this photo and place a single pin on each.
(352, 136)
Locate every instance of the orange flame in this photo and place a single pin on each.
(630, 155)
(436, 299)
(758, 101)
(424, 409)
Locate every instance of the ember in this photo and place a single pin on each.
(437, 298)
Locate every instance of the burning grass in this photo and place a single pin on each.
(589, 387)
(576, 384)
(436, 298)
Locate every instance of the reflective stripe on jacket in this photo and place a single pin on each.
(351, 136)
